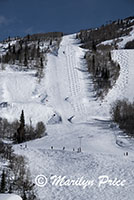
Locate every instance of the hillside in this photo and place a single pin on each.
(81, 139)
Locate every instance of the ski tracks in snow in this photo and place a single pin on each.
(66, 93)
(121, 86)
(74, 82)
(122, 57)
(66, 87)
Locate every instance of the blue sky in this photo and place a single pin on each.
(18, 18)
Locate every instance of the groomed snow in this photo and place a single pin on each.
(9, 197)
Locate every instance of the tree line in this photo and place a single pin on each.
(18, 131)
(122, 112)
(103, 70)
(15, 177)
(30, 52)
(109, 31)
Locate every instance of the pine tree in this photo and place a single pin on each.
(94, 46)
(10, 189)
(50, 42)
(9, 39)
(3, 182)
(28, 37)
(9, 47)
(41, 62)
(25, 60)
(22, 119)
(93, 60)
(38, 51)
(20, 136)
(14, 49)
(110, 56)
(24, 196)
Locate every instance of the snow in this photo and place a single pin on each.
(126, 39)
(124, 85)
(9, 197)
(76, 165)
(66, 91)
(20, 90)
(107, 42)
(122, 40)
(4, 46)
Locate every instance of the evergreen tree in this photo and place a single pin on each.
(28, 37)
(94, 46)
(9, 47)
(22, 119)
(50, 42)
(3, 182)
(13, 50)
(41, 62)
(25, 60)
(10, 189)
(93, 60)
(9, 39)
(110, 56)
(38, 51)
(20, 136)
(24, 196)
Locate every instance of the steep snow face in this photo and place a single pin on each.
(123, 89)
(9, 197)
(126, 59)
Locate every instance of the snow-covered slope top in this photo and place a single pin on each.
(123, 40)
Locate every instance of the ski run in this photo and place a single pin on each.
(67, 91)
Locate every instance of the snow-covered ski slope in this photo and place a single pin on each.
(66, 84)
(20, 91)
(67, 91)
(9, 197)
